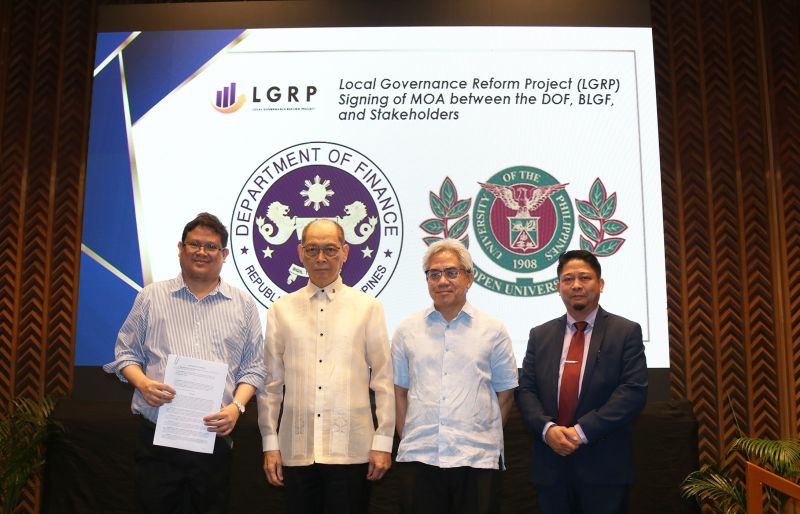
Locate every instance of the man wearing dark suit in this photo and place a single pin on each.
(584, 380)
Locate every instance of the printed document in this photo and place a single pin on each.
(199, 385)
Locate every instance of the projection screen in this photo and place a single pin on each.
(522, 142)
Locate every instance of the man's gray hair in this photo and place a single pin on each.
(448, 245)
(339, 229)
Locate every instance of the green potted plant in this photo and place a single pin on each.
(724, 491)
(22, 436)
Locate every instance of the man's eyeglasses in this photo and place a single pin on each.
(313, 251)
(195, 246)
(433, 275)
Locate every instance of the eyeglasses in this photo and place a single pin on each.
(329, 250)
(433, 275)
(195, 246)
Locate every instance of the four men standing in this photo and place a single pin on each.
(451, 366)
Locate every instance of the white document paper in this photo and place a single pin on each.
(199, 386)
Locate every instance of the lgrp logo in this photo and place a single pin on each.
(267, 98)
(226, 101)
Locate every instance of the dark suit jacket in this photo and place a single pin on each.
(613, 392)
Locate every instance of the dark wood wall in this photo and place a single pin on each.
(728, 89)
(728, 86)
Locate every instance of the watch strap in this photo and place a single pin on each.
(239, 405)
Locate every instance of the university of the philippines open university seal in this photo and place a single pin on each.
(523, 221)
(297, 185)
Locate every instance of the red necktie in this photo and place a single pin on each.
(571, 377)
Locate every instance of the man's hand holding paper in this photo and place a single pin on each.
(185, 421)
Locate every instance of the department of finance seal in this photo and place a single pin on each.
(302, 183)
(523, 220)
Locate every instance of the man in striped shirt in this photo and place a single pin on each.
(194, 315)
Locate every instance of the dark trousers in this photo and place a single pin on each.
(326, 489)
(571, 496)
(462, 490)
(170, 481)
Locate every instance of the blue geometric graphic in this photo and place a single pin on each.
(158, 62)
(103, 304)
(109, 221)
(155, 63)
(107, 42)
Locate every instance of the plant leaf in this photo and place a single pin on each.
(712, 487)
(589, 229)
(587, 209)
(22, 436)
(459, 208)
(597, 194)
(465, 241)
(780, 456)
(432, 226)
(459, 227)
(448, 192)
(608, 246)
(586, 245)
(437, 207)
(609, 206)
(614, 227)
(430, 240)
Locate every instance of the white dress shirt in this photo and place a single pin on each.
(327, 346)
(453, 371)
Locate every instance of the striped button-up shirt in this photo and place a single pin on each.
(167, 318)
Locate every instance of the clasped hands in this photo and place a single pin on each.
(563, 440)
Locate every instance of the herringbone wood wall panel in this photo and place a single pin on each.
(783, 61)
(728, 91)
(727, 94)
(45, 50)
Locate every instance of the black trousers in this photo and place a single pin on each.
(171, 481)
(462, 490)
(326, 489)
(572, 496)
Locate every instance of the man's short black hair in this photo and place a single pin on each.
(209, 221)
(580, 255)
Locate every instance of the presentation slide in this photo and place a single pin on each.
(521, 142)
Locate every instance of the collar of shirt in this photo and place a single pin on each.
(588, 319)
(329, 290)
(223, 288)
(467, 310)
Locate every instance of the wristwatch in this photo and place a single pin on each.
(239, 405)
